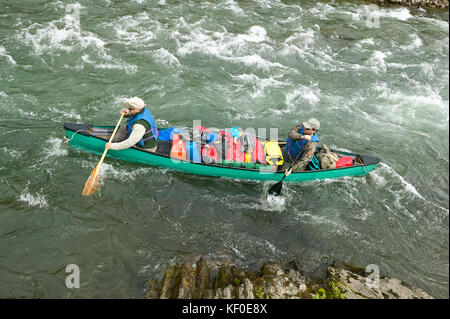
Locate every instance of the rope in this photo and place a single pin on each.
(363, 166)
(70, 140)
(364, 169)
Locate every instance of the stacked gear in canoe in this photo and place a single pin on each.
(242, 147)
(233, 146)
(183, 145)
(326, 159)
(212, 146)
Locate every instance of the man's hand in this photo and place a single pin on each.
(288, 172)
(123, 112)
(108, 146)
(307, 137)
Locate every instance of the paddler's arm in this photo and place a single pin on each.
(295, 135)
(136, 134)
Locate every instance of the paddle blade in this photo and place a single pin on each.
(276, 189)
(92, 183)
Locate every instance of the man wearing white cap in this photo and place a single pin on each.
(302, 143)
(140, 129)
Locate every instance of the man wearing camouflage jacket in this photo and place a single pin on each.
(302, 139)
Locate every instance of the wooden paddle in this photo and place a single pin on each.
(276, 189)
(92, 182)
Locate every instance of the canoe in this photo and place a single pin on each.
(92, 138)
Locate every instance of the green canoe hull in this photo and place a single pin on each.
(80, 138)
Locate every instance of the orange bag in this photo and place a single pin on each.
(178, 149)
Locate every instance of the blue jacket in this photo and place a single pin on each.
(148, 117)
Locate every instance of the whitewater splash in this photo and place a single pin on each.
(33, 199)
(67, 35)
(13, 153)
(7, 56)
(109, 171)
(275, 203)
(408, 187)
(54, 148)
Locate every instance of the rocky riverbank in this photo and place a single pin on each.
(427, 4)
(212, 280)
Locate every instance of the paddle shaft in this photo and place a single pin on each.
(276, 189)
(295, 161)
(106, 150)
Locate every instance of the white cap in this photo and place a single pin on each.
(135, 103)
(312, 123)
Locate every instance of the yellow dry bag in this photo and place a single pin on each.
(273, 153)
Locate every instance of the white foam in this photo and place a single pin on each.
(259, 85)
(52, 37)
(321, 10)
(33, 199)
(246, 244)
(108, 170)
(247, 78)
(128, 68)
(12, 152)
(234, 7)
(376, 61)
(402, 14)
(303, 93)
(300, 41)
(365, 42)
(379, 180)
(425, 97)
(227, 46)
(258, 61)
(55, 147)
(427, 69)
(239, 114)
(341, 149)
(66, 115)
(272, 248)
(440, 23)
(30, 114)
(255, 34)
(407, 186)
(276, 203)
(416, 43)
(66, 34)
(135, 30)
(7, 56)
(162, 123)
(322, 220)
(197, 41)
(165, 57)
(3, 94)
(264, 3)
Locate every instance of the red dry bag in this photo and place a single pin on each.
(344, 161)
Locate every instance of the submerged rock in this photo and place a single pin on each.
(214, 280)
